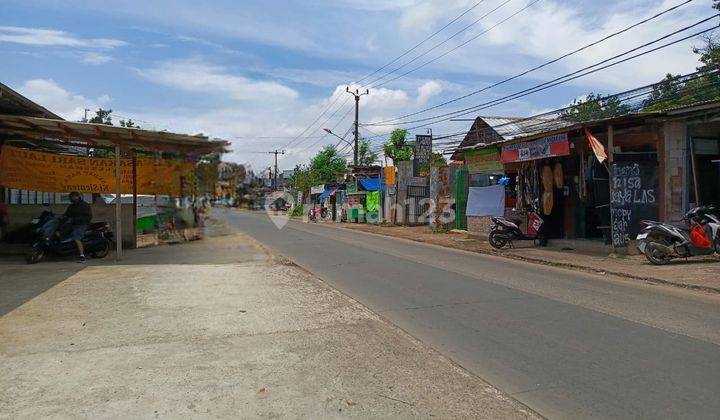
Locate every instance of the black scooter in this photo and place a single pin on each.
(662, 242)
(504, 231)
(96, 241)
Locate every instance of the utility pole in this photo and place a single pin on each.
(357, 96)
(276, 152)
(86, 119)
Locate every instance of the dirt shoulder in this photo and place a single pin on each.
(697, 273)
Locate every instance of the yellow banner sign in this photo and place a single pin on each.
(51, 172)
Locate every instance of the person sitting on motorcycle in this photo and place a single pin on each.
(79, 215)
(77, 218)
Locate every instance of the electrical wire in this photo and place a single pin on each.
(436, 46)
(330, 105)
(473, 23)
(550, 120)
(565, 78)
(461, 45)
(545, 64)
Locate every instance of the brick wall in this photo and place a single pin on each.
(675, 171)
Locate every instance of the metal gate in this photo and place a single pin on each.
(417, 207)
(462, 185)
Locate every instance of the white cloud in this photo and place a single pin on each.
(522, 43)
(49, 94)
(195, 75)
(52, 37)
(427, 91)
(94, 58)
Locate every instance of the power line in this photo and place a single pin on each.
(332, 129)
(473, 23)
(414, 69)
(547, 63)
(447, 52)
(568, 77)
(396, 59)
(330, 105)
(631, 101)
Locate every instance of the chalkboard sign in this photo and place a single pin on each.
(634, 198)
(423, 154)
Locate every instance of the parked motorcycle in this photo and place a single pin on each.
(317, 213)
(662, 242)
(96, 241)
(28, 234)
(504, 231)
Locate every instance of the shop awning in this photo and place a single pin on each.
(372, 184)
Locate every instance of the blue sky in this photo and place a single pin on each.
(240, 70)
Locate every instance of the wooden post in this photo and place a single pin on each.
(693, 162)
(118, 204)
(135, 194)
(610, 153)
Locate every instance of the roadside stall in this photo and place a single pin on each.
(373, 189)
(41, 156)
(314, 210)
(355, 203)
(328, 202)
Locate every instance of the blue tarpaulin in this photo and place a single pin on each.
(327, 193)
(372, 184)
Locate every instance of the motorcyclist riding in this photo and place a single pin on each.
(78, 216)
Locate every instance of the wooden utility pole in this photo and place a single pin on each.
(118, 204)
(135, 196)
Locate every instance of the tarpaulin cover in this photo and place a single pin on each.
(25, 169)
(372, 184)
(372, 201)
(327, 193)
(486, 201)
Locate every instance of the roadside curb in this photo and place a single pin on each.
(540, 261)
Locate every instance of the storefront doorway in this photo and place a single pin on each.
(706, 154)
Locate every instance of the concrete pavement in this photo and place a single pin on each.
(566, 343)
(215, 328)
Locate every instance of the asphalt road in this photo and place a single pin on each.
(567, 344)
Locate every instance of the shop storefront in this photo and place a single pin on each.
(582, 196)
(538, 168)
(482, 175)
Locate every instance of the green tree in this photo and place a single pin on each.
(102, 116)
(366, 156)
(594, 107)
(671, 92)
(128, 124)
(302, 179)
(326, 165)
(437, 159)
(397, 147)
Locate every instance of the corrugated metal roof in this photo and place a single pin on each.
(512, 127)
(108, 135)
(13, 103)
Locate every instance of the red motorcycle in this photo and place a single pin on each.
(317, 213)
